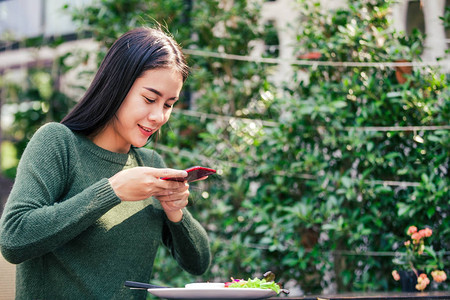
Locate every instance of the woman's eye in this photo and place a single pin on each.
(149, 100)
(168, 105)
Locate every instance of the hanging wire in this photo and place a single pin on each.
(345, 252)
(198, 114)
(208, 160)
(314, 63)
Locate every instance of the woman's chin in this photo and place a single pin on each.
(139, 144)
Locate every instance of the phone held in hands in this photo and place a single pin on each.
(194, 173)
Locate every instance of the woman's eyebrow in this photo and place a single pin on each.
(154, 91)
(158, 93)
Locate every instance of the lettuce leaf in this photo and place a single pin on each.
(253, 283)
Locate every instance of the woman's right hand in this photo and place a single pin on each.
(140, 183)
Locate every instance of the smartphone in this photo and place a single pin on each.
(194, 173)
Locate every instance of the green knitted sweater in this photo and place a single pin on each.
(73, 238)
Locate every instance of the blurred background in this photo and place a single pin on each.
(328, 123)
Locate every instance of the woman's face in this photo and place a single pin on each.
(144, 110)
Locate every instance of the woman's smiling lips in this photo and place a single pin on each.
(145, 130)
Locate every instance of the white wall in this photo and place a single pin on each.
(30, 18)
(21, 18)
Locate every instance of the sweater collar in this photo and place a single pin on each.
(119, 158)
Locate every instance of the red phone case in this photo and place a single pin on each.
(194, 173)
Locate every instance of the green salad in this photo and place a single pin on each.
(268, 282)
(253, 283)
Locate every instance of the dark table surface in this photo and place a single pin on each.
(374, 296)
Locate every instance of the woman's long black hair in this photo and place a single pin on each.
(135, 52)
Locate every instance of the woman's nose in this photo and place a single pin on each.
(156, 115)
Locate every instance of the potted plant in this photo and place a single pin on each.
(417, 261)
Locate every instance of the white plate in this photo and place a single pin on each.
(205, 285)
(220, 293)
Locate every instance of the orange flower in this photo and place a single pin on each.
(422, 282)
(423, 276)
(412, 229)
(416, 236)
(427, 232)
(311, 55)
(439, 276)
(395, 275)
(412, 259)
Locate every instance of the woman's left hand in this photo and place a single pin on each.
(173, 200)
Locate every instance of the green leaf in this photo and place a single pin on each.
(402, 209)
(430, 211)
(346, 181)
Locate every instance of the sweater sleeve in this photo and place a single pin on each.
(187, 240)
(189, 244)
(36, 220)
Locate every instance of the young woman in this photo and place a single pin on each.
(88, 209)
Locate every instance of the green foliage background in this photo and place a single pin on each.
(305, 187)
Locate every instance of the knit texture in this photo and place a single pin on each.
(72, 237)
